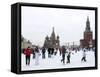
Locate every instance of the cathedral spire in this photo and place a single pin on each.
(52, 41)
(53, 29)
(53, 34)
(87, 29)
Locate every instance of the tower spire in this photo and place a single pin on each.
(87, 18)
(87, 29)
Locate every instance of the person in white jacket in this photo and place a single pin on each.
(37, 54)
(84, 56)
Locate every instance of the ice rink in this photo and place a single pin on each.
(55, 61)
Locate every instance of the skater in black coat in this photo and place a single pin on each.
(68, 57)
(43, 52)
(33, 53)
(52, 51)
(55, 51)
(63, 54)
(49, 52)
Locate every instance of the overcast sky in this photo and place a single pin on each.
(69, 24)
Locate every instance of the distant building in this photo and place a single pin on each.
(87, 41)
(25, 43)
(52, 41)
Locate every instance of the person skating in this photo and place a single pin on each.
(68, 57)
(37, 54)
(43, 52)
(27, 53)
(55, 51)
(76, 49)
(33, 53)
(63, 54)
(84, 56)
(60, 51)
(52, 51)
(49, 52)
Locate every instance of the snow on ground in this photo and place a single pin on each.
(55, 61)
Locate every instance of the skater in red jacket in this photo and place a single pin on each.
(28, 52)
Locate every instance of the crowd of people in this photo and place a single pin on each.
(63, 52)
